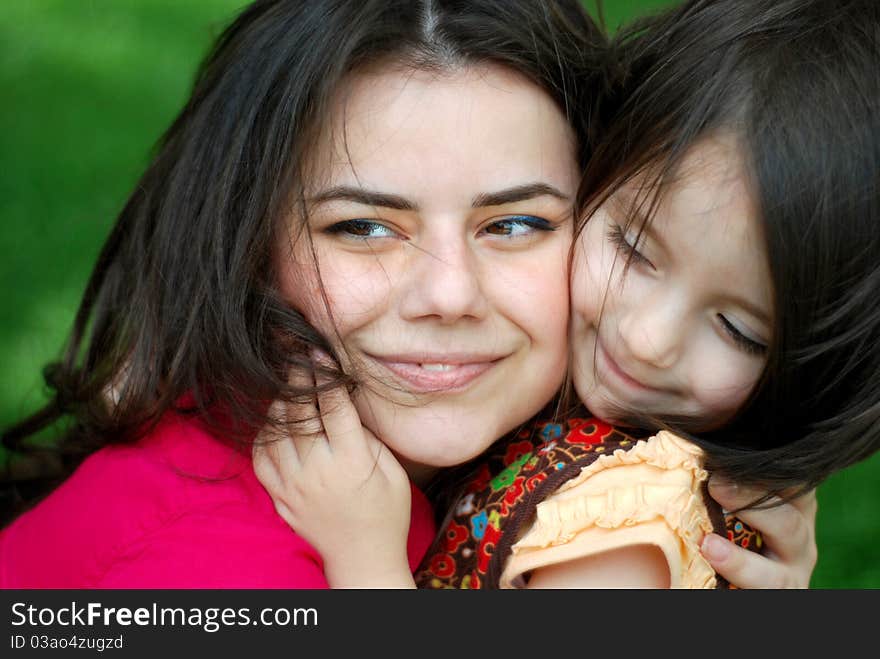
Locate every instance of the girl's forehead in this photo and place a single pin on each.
(707, 224)
(709, 177)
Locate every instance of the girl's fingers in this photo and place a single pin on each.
(787, 529)
(342, 423)
(789, 534)
(784, 529)
(272, 447)
(302, 420)
(808, 505)
(265, 469)
(744, 568)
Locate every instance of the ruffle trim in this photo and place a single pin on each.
(663, 450)
(682, 508)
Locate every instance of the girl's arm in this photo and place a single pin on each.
(787, 562)
(638, 518)
(341, 489)
(789, 534)
(639, 566)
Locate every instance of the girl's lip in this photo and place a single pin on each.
(619, 374)
(456, 373)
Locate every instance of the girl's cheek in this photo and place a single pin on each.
(722, 386)
(590, 274)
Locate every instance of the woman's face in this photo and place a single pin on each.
(684, 331)
(440, 216)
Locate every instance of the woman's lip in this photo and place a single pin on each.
(457, 372)
(619, 373)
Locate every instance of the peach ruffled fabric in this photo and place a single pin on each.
(648, 494)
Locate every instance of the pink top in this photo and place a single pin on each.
(178, 509)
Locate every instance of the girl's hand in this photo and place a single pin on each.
(340, 488)
(789, 533)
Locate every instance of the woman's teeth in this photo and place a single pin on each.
(437, 367)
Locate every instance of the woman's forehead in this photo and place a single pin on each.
(466, 129)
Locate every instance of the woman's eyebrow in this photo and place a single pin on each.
(365, 197)
(517, 193)
(397, 202)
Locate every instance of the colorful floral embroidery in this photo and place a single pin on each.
(479, 523)
(505, 483)
(740, 533)
(471, 549)
(481, 479)
(508, 476)
(487, 547)
(588, 431)
(455, 535)
(514, 492)
(443, 566)
(535, 480)
(550, 431)
(516, 451)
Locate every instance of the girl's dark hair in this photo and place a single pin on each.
(181, 310)
(796, 82)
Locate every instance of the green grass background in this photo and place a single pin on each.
(88, 87)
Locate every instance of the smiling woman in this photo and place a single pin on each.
(431, 249)
(693, 316)
(386, 182)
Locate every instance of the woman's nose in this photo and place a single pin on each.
(444, 281)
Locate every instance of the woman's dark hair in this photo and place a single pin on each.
(797, 84)
(181, 310)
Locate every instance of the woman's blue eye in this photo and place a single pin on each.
(518, 225)
(361, 229)
(618, 238)
(741, 340)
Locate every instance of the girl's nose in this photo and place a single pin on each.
(653, 330)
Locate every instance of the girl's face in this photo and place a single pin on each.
(685, 330)
(441, 218)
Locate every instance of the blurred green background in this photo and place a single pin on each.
(88, 87)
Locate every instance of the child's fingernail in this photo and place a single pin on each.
(715, 548)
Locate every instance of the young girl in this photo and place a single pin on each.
(723, 287)
(389, 181)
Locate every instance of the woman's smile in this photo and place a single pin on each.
(437, 373)
(442, 259)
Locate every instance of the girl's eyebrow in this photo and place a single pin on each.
(631, 214)
(397, 202)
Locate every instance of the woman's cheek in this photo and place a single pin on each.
(357, 288)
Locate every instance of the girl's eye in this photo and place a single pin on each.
(361, 229)
(742, 341)
(618, 238)
(516, 226)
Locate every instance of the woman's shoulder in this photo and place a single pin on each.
(178, 464)
(164, 498)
